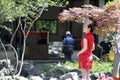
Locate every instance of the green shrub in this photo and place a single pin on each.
(98, 66)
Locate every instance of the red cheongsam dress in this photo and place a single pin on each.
(85, 59)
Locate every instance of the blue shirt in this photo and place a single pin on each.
(68, 41)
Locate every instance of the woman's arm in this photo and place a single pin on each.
(93, 47)
(84, 48)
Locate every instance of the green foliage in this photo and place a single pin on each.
(12, 9)
(5, 28)
(49, 25)
(50, 69)
(27, 10)
(56, 67)
(73, 65)
(98, 66)
(110, 2)
(59, 2)
(5, 9)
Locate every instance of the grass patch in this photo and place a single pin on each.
(98, 66)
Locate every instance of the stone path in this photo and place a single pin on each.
(10, 55)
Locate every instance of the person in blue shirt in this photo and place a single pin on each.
(68, 46)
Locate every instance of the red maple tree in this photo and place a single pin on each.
(106, 18)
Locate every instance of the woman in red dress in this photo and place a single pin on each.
(85, 57)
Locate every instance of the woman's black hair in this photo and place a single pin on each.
(91, 26)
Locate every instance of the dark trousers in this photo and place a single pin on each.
(68, 53)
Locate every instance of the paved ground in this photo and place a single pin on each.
(74, 56)
(11, 56)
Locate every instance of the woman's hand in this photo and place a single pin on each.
(78, 54)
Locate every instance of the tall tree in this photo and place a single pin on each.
(27, 12)
(106, 18)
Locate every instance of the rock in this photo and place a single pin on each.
(26, 69)
(76, 70)
(37, 70)
(102, 73)
(25, 73)
(20, 78)
(53, 78)
(54, 74)
(48, 75)
(15, 78)
(35, 78)
(40, 71)
(70, 75)
(108, 73)
(4, 63)
(94, 76)
(57, 73)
